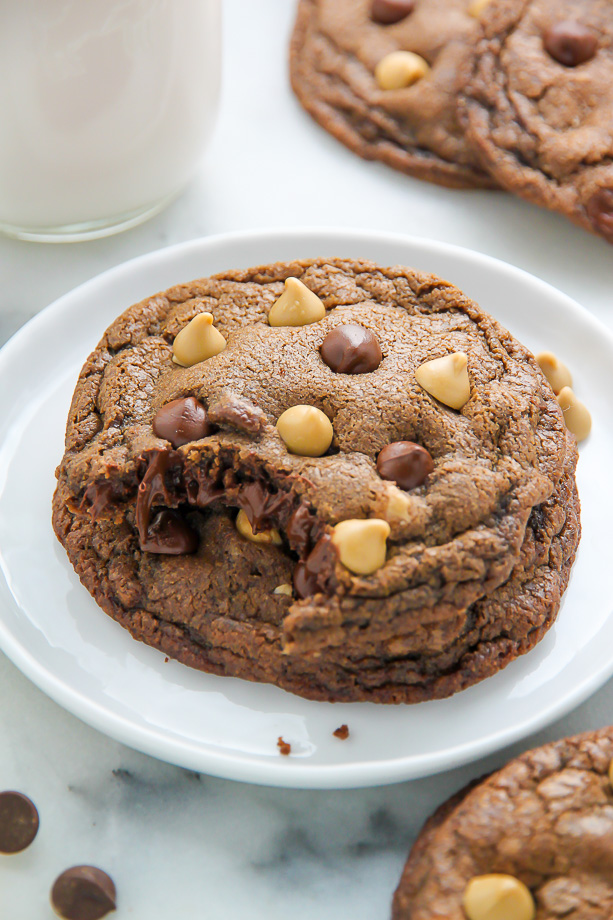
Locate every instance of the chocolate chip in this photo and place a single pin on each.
(405, 463)
(387, 12)
(570, 43)
(83, 893)
(600, 211)
(181, 421)
(169, 533)
(351, 349)
(18, 822)
(237, 412)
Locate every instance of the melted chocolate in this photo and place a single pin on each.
(169, 533)
(299, 530)
(99, 497)
(316, 574)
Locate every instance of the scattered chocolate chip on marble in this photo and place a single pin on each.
(83, 893)
(351, 349)
(18, 822)
(342, 732)
(284, 748)
(170, 534)
(387, 12)
(405, 463)
(570, 43)
(181, 421)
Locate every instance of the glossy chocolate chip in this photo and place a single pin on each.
(405, 463)
(83, 893)
(570, 43)
(170, 534)
(600, 212)
(181, 421)
(18, 822)
(351, 349)
(386, 12)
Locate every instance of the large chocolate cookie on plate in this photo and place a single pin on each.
(534, 840)
(539, 105)
(336, 48)
(355, 484)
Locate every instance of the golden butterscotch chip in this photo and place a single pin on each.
(197, 341)
(306, 431)
(297, 306)
(284, 589)
(557, 373)
(362, 545)
(400, 69)
(611, 772)
(245, 530)
(476, 7)
(576, 416)
(446, 379)
(498, 897)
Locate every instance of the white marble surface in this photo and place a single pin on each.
(192, 846)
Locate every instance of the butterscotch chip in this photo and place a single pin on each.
(446, 379)
(611, 772)
(476, 7)
(576, 416)
(197, 341)
(556, 372)
(305, 430)
(498, 897)
(264, 536)
(284, 589)
(362, 545)
(297, 306)
(400, 69)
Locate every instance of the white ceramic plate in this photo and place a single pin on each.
(55, 633)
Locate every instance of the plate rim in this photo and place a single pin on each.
(253, 768)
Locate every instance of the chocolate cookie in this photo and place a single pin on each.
(339, 64)
(258, 488)
(539, 105)
(533, 840)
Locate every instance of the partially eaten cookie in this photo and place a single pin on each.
(343, 479)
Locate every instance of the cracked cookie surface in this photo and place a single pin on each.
(538, 106)
(478, 554)
(546, 818)
(335, 50)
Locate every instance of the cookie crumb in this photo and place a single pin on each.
(342, 732)
(166, 660)
(284, 747)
